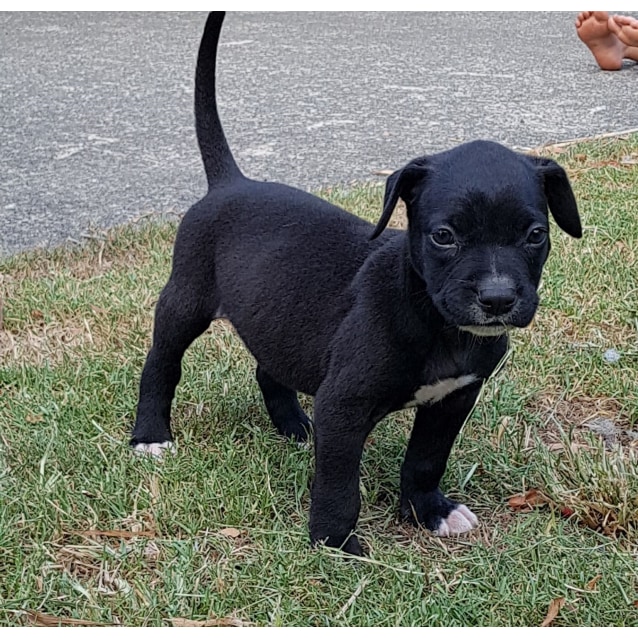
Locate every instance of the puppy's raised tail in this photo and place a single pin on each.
(218, 160)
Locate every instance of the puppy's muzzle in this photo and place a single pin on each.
(496, 305)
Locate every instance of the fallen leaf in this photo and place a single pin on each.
(527, 501)
(566, 511)
(591, 585)
(37, 315)
(554, 607)
(228, 621)
(46, 620)
(34, 418)
(231, 532)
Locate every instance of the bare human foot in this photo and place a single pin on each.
(593, 29)
(626, 30)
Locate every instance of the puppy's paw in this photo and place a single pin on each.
(157, 450)
(458, 521)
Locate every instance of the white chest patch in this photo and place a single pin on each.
(437, 391)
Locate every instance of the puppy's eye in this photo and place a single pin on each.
(537, 236)
(442, 237)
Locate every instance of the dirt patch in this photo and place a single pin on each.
(52, 341)
(104, 250)
(580, 417)
(593, 484)
(46, 343)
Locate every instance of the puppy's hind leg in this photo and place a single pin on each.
(283, 408)
(180, 317)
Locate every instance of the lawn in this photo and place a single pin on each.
(217, 533)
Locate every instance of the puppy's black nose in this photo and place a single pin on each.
(495, 299)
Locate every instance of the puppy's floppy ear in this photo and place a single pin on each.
(560, 197)
(398, 185)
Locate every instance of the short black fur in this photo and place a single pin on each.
(368, 320)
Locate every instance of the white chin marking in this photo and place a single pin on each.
(485, 331)
(155, 449)
(458, 521)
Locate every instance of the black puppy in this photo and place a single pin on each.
(367, 323)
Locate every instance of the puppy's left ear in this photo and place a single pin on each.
(560, 197)
(399, 185)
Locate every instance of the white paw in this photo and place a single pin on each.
(458, 521)
(155, 449)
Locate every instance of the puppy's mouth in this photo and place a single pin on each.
(487, 330)
(469, 316)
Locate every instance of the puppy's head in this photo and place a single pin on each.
(478, 230)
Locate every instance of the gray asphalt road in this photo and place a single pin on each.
(96, 121)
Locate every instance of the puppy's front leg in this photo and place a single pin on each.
(435, 428)
(341, 428)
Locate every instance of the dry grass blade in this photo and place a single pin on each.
(112, 533)
(38, 619)
(227, 621)
(577, 140)
(352, 598)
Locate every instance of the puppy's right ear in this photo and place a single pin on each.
(399, 185)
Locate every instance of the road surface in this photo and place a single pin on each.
(96, 124)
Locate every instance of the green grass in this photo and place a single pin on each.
(218, 532)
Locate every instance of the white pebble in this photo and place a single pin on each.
(611, 356)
